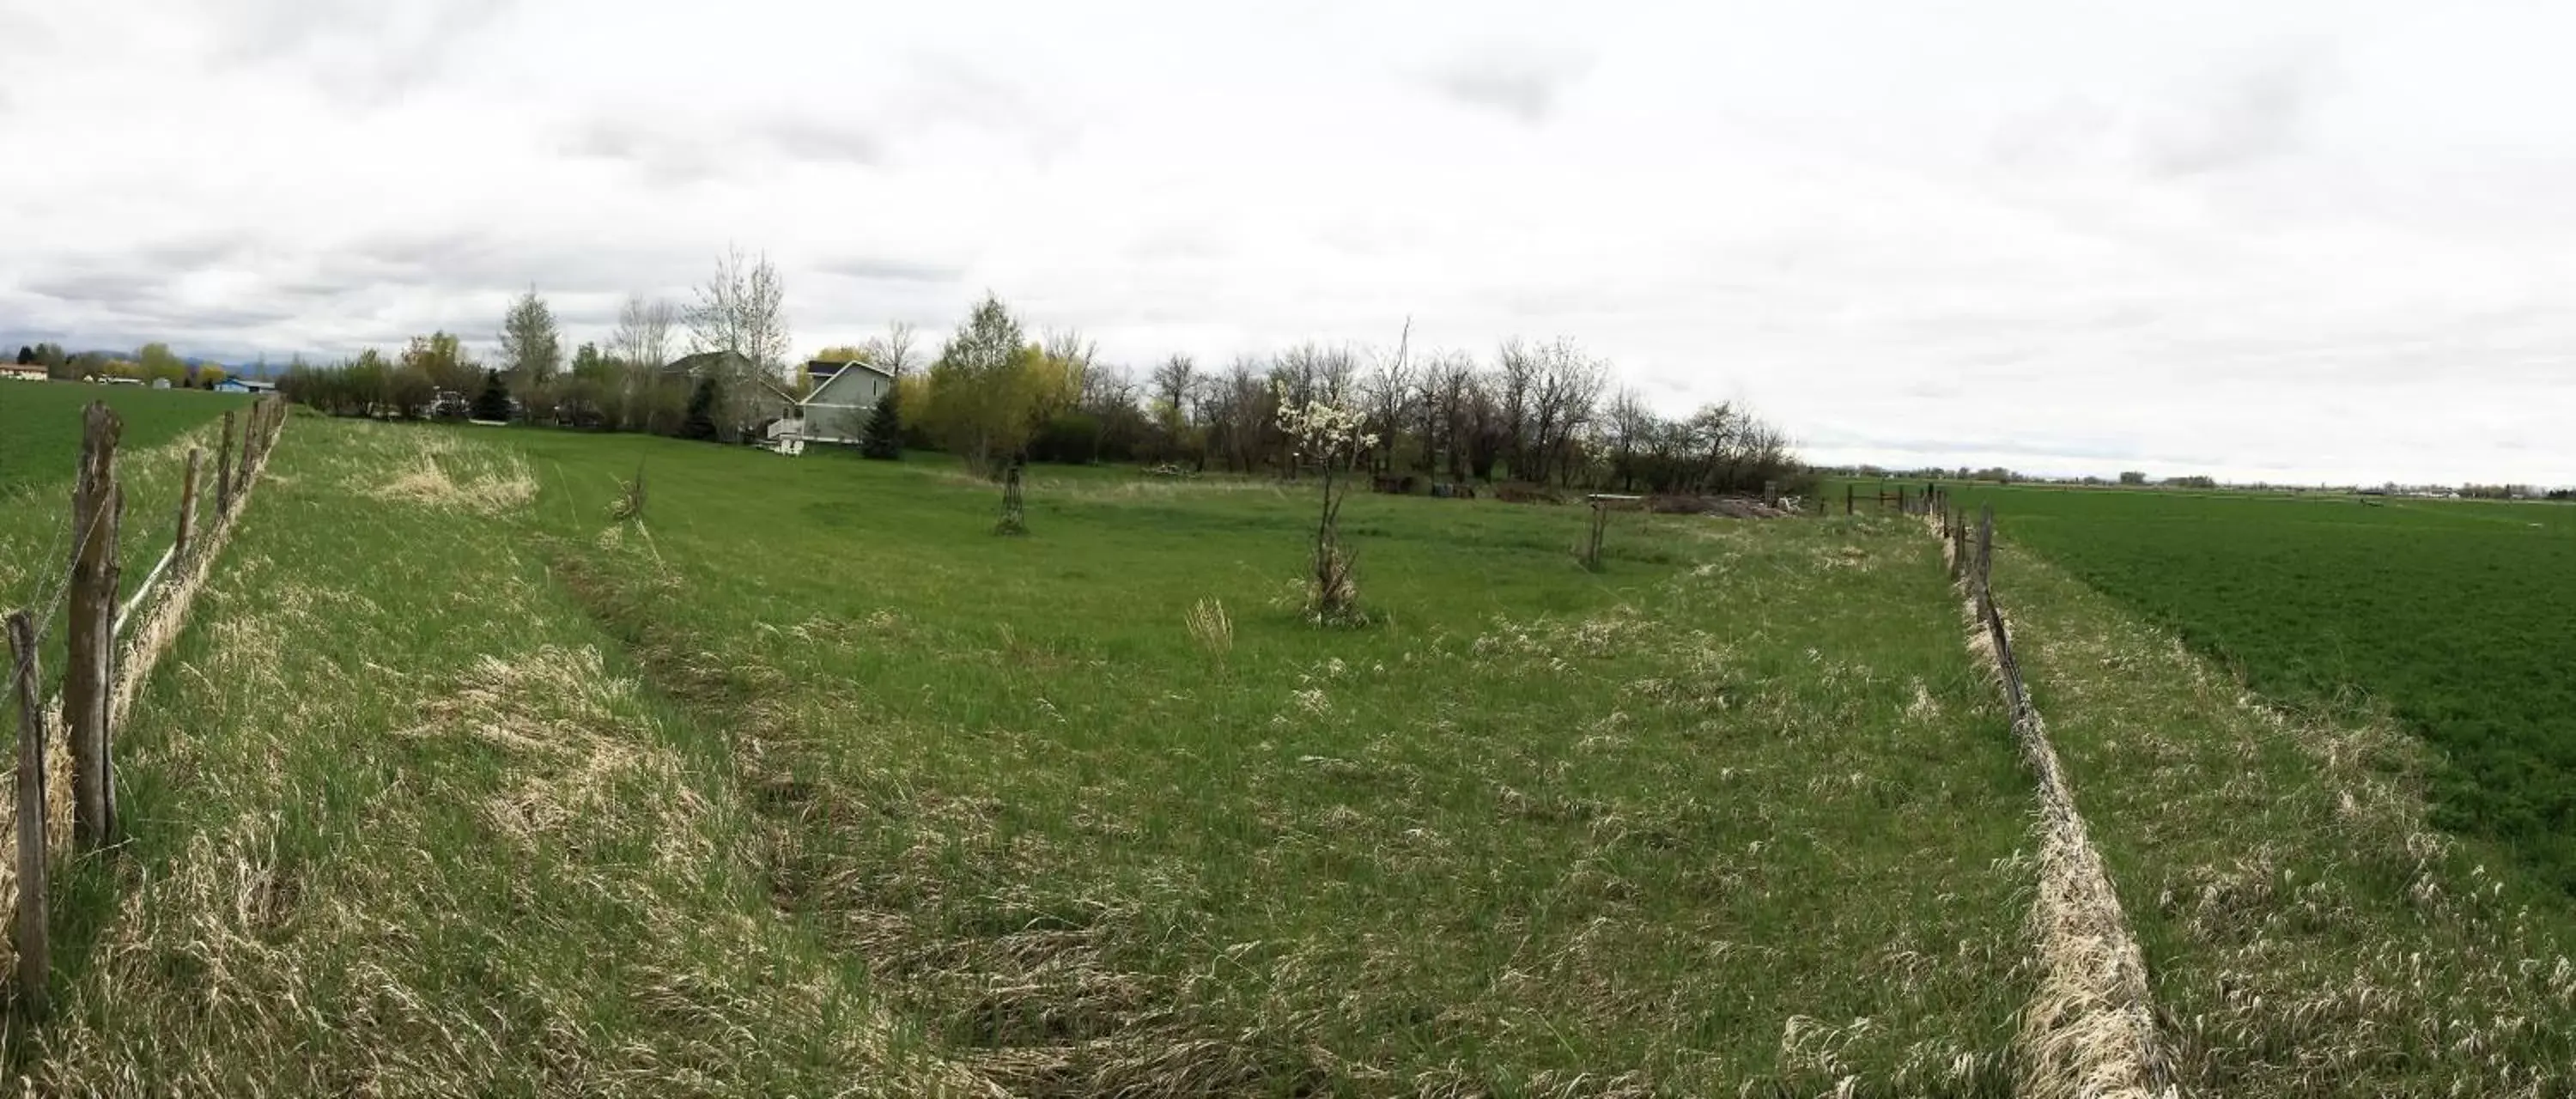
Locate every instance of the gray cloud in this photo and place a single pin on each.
(825, 141)
(98, 286)
(887, 269)
(1521, 82)
(677, 152)
(2244, 118)
(2235, 116)
(367, 52)
(200, 249)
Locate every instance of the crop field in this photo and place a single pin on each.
(2457, 618)
(807, 782)
(2308, 928)
(40, 424)
(40, 435)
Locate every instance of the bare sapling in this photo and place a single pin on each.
(1332, 437)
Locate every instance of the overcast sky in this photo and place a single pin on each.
(2298, 241)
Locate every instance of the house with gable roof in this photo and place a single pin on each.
(840, 397)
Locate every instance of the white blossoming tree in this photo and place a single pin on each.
(1330, 436)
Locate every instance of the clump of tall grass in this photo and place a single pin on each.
(1210, 628)
(629, 504)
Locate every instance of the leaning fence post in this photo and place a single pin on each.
(91, 630)
(28, 934)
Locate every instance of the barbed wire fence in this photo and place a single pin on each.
(99, 681)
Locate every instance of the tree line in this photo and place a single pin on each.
(628, 383)
(153, 362)
(1547, 413)
(1541, 412)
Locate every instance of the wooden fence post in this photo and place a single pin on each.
(250, 441)
(1851, 494)
(250, 448)
(1958, 546)
(188, 504)
(224, 470)
(1600, 526)
(35, 959)
(87, 678)
(1986, 560)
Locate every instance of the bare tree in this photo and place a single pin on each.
(643, 336)
(1628, 432)
(1240, 409)
(1175, 382)
(743, 309)
(1445, 383)
(1565, 392)
(1386, 395)
(1516, 371)
(892, 352)
(1071, 347)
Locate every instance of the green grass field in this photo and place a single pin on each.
(808, 782)
(40, 435)
(2459, 618)
(2309, 929)
(40, 423)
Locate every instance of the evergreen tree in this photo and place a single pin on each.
(883, 438)
(494, 404)
(26, 355)
(701, 422)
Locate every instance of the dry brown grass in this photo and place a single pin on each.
(2090, 1029)
(139, 653)
(477, 862)
(443, 472)
(1210, 628)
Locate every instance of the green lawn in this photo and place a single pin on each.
(808, 781)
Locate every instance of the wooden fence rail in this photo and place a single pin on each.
(99, 681)
(1900, 498)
